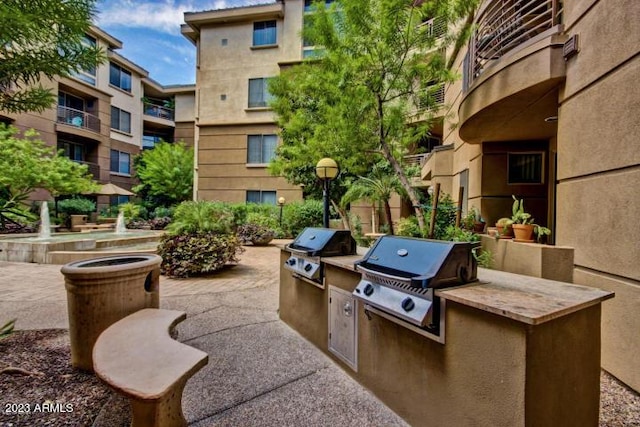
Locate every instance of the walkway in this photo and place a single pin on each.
(260, 372)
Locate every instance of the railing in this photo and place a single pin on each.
(78, 118)
(503, 25)
(94, 169)
(416, 159)
(437, 27)
(158, 111)
(432, 97)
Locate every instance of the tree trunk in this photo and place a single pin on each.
(387, 212)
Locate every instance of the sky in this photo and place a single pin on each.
(150, 33)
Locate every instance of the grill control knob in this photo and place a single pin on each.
(408, 304)
(368, 289)
(291, 261)
(308, 267)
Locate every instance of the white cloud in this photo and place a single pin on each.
(163, 15)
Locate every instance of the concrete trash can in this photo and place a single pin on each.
(101, 291)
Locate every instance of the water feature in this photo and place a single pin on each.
(120, 226)
(45, 223)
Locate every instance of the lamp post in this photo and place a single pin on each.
(281, 201)
(326, 169)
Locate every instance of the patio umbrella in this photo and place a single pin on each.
(110, 189)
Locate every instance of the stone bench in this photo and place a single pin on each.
(85, 228)
(139, 359)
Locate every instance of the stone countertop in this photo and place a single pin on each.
(526, 299)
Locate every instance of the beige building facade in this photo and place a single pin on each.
(106, 116)
(547, 109)
(239, 49)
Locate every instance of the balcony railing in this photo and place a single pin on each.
(94, 169)
(437, 27)
(78, 118)
(416, 159)
(432, 98)
(158, 111)
(503, 25)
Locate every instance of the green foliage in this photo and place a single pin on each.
(445, 216)
(109, 212)
(409, 227)
(201, 217)
(28, 164)
(7, 329)
(76, 206)
(162, 212)
(456, 234)
(297, 216)
(133, 211)
(42, 39)
(484, 257)
(255, 234)
(190, 254)
(165, 173)
(519, 216)
(352, 104)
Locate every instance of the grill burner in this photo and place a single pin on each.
(399, 275)
(314, 243)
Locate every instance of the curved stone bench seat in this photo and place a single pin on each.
(139, 359)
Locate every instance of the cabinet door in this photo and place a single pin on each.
(343, 326)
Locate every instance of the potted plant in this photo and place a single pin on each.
(504, 227)
(523, 226)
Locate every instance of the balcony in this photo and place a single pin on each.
(94, 169)
(78, 118)
(158, 111)
(504, 25)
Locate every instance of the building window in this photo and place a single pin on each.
(525, 168)
(119, 77)
(120, 120)
(120, 162)
(118, 200)
(259, 95)
(264, 33)
(72, 150)
(261, 148)
(88, 75)
(259, 196)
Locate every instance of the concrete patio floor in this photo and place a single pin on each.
(260, 371)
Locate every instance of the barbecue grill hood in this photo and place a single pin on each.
(323, 242)
(421, 263)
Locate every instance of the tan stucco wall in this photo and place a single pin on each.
(491, 371)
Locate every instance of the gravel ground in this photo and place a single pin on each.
(58, 395)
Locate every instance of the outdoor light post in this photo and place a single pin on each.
(326, 169)
(281, 201)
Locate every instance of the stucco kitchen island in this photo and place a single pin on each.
(513, 350)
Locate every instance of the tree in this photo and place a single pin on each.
(27, 164)
(39, 39)
(378, 187)
(165, 173)
(377, 66)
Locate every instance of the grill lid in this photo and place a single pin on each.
(424, 263)
(324, 242)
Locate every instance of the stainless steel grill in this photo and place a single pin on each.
(399, 275)
(314, 243)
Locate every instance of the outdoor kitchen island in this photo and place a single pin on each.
(511, 351)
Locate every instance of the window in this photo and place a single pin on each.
(88, 75)
(525, 168)
(259, 95)
(120, 162)
(261, 148)
(259, 196)
(119, 77)
(71, 150)
(264, 33)
(118, 200)
(120, 120)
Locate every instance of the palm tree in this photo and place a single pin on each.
(379, 186)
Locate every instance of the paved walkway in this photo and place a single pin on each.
(260, 371)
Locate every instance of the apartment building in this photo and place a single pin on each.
(547, 109)
(106, 115)
(239, 49)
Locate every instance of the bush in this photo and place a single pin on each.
(190, 254)
(132, 211)
(201, 217)
(445, 217)
(297, 216)
(162, 212)
(152, 224)
(255, 234)
(76, 206)
(408, 227)
(456, 234)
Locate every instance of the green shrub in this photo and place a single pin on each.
(201, 217)
(76, 206)
(445, 217)
(162, 212)
(190, 254)
(457, 234)
(109, 212)
(484, 257)
(255, 234)
(297, 216)
(133, 211)
(267, 221)
(408, 227)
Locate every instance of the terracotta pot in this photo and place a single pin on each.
(478, 227)
(523, 232)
